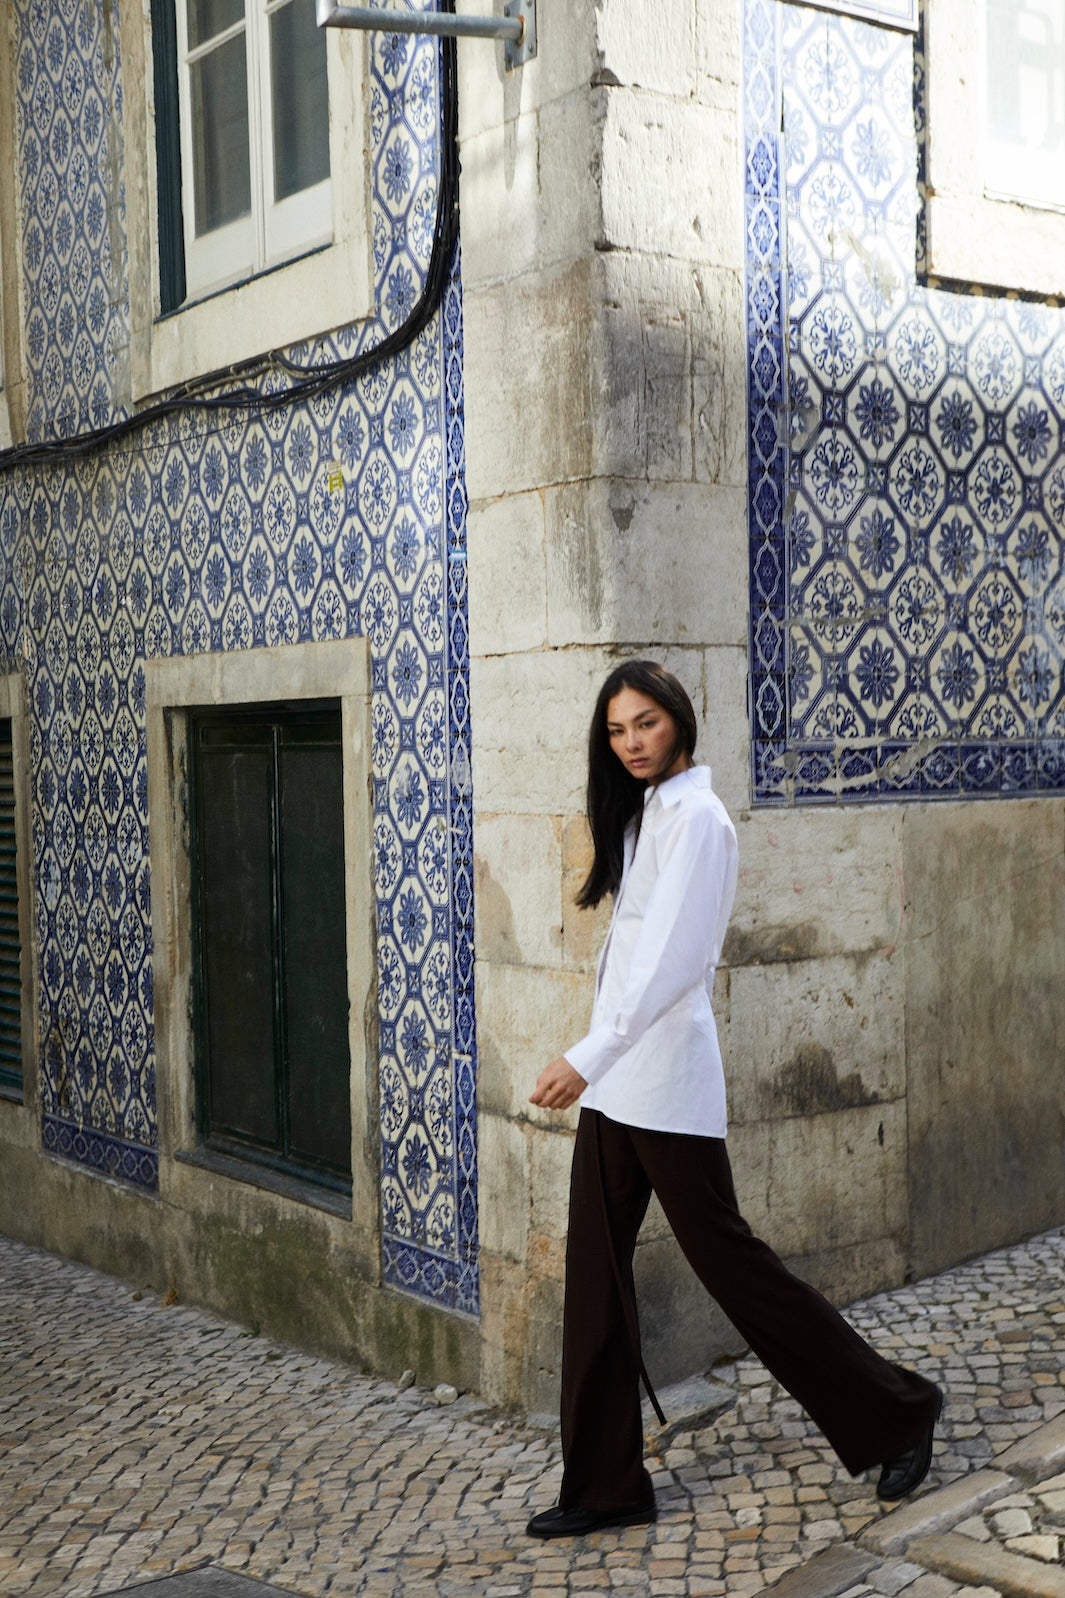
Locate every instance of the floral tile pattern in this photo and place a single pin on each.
(339, 515)
(74, 261)
(907, 482)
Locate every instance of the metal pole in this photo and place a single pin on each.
(380, 19)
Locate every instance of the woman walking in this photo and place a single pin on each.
(653, 1119)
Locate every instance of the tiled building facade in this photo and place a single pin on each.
(907, 483)
(220, 528)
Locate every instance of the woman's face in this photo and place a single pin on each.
(643, 736)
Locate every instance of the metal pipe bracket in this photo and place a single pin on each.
(516, 27)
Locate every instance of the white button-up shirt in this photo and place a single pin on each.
(651, 1058)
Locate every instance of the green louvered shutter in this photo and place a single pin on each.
(10, 978)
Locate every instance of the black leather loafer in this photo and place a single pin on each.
(579, 1522)
(907, 1471)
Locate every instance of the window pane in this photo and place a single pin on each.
(208, 18)
(237, 933)
(300, 99)
(221, 168)
(315, 952)
(1025, 149)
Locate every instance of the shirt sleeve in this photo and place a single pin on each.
(685, 916)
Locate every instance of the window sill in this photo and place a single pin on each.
(251, 1174)
(1002, 244)
(998, 243)
(289, 304)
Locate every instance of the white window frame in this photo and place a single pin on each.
(885, 13)
(273, 231)
(315, 293)
(974, 237)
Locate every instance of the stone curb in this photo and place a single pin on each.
(205, 1581)
(1040, 1454)
(985, 1564)
(937, 1511)
(923, 1531)
(687, 1405)
(826, 1575)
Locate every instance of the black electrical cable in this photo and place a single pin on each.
(311, 380)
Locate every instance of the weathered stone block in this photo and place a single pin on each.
(718, 53)
(814, 1036)
(583, 931)
(688, 204)
(606, 576)
(719, 382)
(937, 1512)
(644, 424)
(501, 179)
(824, 1180)
(1039, 1456)
(504, 1329)
(503, 1182)
(526, 1018)
(536, 176)
(720, 701)
(565, 61)
(675, 381)
(508, 577)
(531, 402)
(571, 202)
(550, 1154)
(543, 1349)
(854, 1270)
(816, 882)
(647, 44)
(986, 1566)
(985, 1013)
(518, 886)
(530, 730)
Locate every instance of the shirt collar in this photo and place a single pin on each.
(672, 791)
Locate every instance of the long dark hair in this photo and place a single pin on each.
(614, 796)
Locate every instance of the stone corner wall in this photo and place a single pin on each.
(605, 461)
(890, 1002)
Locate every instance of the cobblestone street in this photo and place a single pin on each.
(139, 1440)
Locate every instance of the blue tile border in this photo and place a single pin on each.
(109, 1156)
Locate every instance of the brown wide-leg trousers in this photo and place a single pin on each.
(868, 1409)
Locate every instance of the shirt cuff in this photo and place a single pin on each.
(593, 1056)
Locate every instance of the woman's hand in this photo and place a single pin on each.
(558, 1086)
